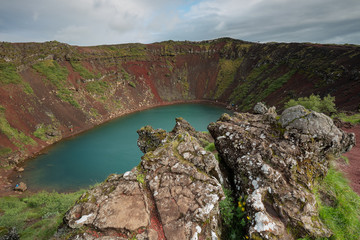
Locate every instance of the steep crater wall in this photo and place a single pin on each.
(51, 90)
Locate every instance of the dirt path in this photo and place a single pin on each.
(352, 170)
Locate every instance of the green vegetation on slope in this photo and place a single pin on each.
(97, 87)
(5, 151)
(354, 119)
(84, 73)
(315, 103)
(57, 75)
(15, 136)
(226, 74)
(339, 206)
(8, 74)
(255, 88)
(135, 50)
(37, 216)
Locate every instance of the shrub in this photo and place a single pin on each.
(234, 217)
(210, 147)
(315, 103)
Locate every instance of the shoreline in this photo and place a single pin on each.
(9, 175)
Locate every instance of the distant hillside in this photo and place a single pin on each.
(52, 90)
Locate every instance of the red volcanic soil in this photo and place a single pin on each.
(352, 170)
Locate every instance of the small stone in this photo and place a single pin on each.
(20, 187)
(260, 108)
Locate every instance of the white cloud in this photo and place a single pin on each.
(91, 22)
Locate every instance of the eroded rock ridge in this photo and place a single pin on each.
(175, 191)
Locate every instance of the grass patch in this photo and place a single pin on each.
(354, 119)
(97, 87)
(27, 88)
(5, 151)
(8, 74)
(57, 75)
(210, 147)
(37, 216)
(132, 84)
(41, 131)
(84, 72)
(342, 215)
(15, 136)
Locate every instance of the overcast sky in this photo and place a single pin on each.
(95, 22)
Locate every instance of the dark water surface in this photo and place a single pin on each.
(111, 148)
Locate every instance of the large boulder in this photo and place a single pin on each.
(174, 193)
(275, 164)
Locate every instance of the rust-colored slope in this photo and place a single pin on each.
(104, 82)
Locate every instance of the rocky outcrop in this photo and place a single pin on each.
(174, 193)
(275, 162)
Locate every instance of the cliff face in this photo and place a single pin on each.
(175, 193)
(52, 90)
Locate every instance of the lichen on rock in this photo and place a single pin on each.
(176, 197)
(174, 193)
(275, 163)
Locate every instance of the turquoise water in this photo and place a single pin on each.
(111, 148)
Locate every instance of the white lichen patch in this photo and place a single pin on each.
(84, 218)
(265, 169)
(263, 223)
(198, 231)
(255, 200)
(213, 236)
(255, 184)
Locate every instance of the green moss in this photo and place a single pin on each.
(226, 75)
(37, 216)
(57, 75)
(84, 73)
(140, 178)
